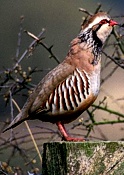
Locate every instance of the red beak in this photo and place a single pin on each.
(112, 23)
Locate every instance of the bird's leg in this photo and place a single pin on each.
(66, 137)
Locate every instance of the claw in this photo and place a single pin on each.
(66, 137)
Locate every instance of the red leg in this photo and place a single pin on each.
(66, 137)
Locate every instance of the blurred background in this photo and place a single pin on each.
(61, 20)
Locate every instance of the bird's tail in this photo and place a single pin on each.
(17, 120)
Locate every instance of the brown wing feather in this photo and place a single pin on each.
(42, 92)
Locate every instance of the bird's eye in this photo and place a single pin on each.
(104, 21)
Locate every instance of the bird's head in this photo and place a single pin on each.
(101, 24)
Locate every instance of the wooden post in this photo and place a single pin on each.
(83, 158)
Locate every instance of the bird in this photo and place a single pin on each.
(73, 85)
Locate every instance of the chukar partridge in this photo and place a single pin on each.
(71, 87)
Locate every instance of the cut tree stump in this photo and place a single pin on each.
(83, 158)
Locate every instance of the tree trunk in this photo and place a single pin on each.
(83, 158)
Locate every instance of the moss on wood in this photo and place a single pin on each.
(83, 158)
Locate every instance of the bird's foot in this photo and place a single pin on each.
(66, 137)
(73, 139)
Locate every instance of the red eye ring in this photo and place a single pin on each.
(110, 22)
(104, 21)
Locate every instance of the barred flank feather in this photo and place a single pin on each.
(69, 94)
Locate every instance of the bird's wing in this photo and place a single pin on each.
(49, 83)
(42, 92)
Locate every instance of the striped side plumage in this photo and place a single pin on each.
(69, 94)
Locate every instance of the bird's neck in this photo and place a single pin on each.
(92, 42)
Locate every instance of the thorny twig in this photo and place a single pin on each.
(85, 11)
(49, 49)
(116, 60)
(29, 49)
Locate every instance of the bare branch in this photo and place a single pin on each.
(49, 49)
(27, 50)
(116, 60)
(109, 110)
(85, 11)
(19, 37)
